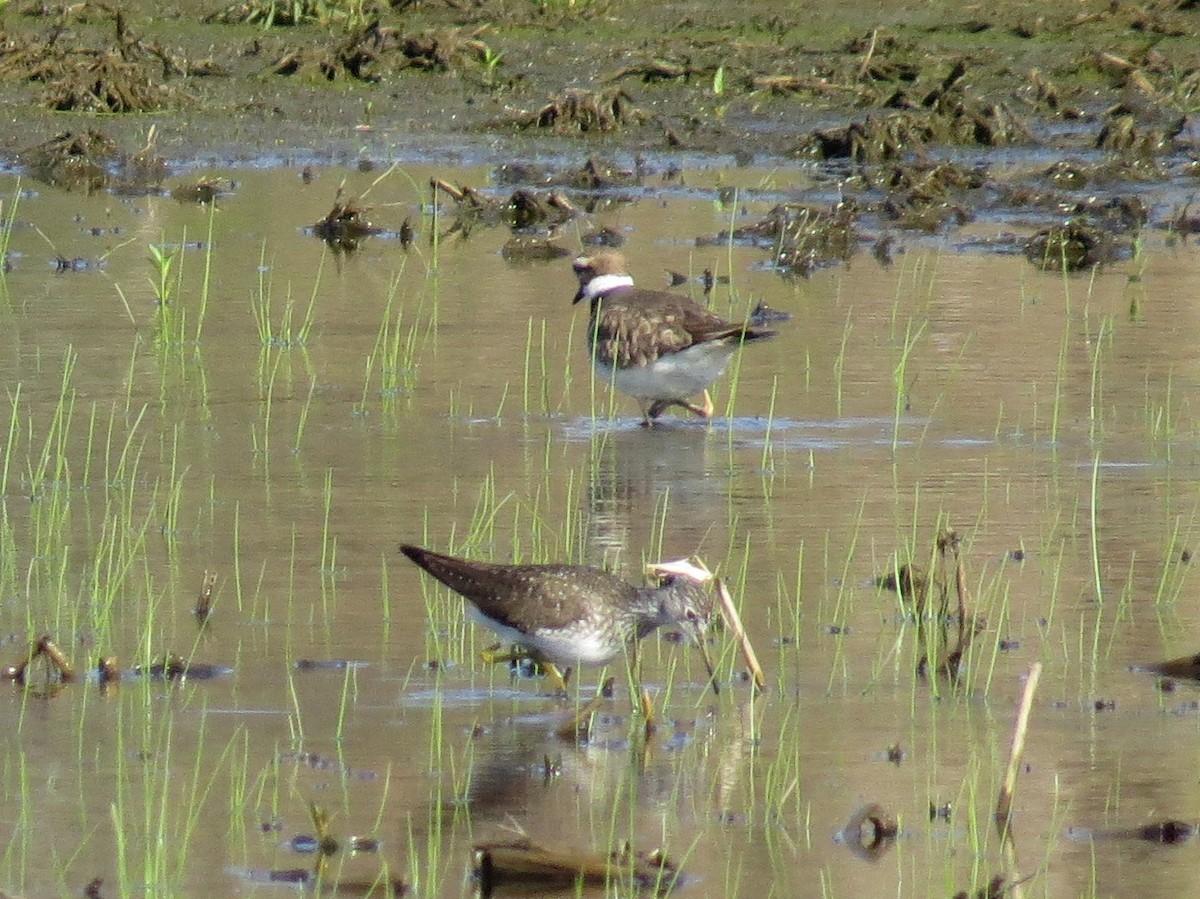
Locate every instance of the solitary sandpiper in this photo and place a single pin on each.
(573, 614)
(655, 346)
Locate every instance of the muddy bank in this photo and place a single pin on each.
(923, 119)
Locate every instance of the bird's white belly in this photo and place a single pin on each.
(576, 647)
(673, 377)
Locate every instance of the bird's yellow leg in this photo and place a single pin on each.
(704, 411)
(498, 653)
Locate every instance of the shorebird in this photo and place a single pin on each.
(655, 346)
(571, 615)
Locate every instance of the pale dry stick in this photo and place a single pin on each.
(1004, 802)
(735, 626)
(862, 70)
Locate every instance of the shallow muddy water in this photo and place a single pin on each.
(289, 429)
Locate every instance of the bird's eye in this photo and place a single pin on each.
(691, 615)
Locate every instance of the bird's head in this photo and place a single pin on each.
(599, 273)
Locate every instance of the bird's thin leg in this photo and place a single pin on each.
(635, 672)
(651, 412)
(704, 411)
(558, 678)
(497, 653)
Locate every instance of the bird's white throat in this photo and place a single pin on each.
(604, 283)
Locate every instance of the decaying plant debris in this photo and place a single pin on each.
(1072, 246)
(126, 74)
(870, 832)
(802, 237)
(582, 111)
(57, 668)
(525, 865)
(89, 161)
(72, 160)
(346, 224)
(375, 52)
(892, 102)
(523, 210)
(929, 599)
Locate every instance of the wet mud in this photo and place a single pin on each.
(914, 121)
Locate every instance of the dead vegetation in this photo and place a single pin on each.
(945, 629)
(524, 865)
(90, 161)
(801, 237)
(276, 13)
(912, 120)
(346, 225)
(1073, 246)
(374, 52)
(72, 160)
(532, 212)
(897, 100)
(580, 112)
(125, 75)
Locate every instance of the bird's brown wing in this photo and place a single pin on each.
(636, 328)
(524, 597)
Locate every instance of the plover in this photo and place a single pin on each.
(655, 346)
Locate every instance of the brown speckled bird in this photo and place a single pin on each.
(655, 346)
(570, 614)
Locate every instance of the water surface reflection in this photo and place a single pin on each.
(314, 412)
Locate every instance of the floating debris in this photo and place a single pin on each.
(802, 237)
(345, 225)
(909, 582)
(327, 664)
(607, 237)
(107, 671)
(524, 210)
(523, 864)
(869, 833)
(1168, 832)
(203, 607)
(929, 598)
(762, 314)
(144, 169)
(1071, 247)
(523, 248)
(996, 888)
(172, 667)
(202, 192)
(58, 668)
(72, 160)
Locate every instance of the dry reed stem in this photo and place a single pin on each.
(1004, 802)
(735, 626)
